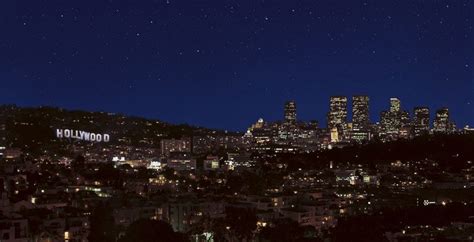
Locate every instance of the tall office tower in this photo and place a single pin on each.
(441, 123)
(337, 116)
(421, 120)
(3, 134)
(394, 105)
(387, 122)
(393, 120)
(404, 118)
(290, 112)
(360, 112)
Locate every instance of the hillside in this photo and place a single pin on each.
(32, 127)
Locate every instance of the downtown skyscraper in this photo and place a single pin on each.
(395, 105)
(337, 116)
(421, 120)
(393, 120)
(290, 112)
(3, 135)
(442, 122)
(360, 112)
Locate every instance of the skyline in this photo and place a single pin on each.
(199, 62)
(236, 120)
(363, 107)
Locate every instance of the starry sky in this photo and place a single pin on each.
(225, 63)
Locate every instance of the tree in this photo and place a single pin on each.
(284, 230)
(241, 221)
(102, 225)
(78, 163)
(145, 230)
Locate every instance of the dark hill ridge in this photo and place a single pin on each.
(452, 152)
(31, 127)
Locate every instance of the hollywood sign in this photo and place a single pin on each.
(81, 135)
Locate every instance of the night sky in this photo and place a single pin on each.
(224, 64)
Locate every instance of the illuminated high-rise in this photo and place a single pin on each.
(442, 122)
(395, 119)
(337, 116)
(421, 120)
(2, 134)
(290, 112)
(360, 112)
(394, 105)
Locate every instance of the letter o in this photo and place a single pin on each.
(92, 137)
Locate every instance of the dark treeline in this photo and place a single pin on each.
(451, 151)
(373, 227)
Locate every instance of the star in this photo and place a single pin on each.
(261, 42)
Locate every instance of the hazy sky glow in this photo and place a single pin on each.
(224, 64)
